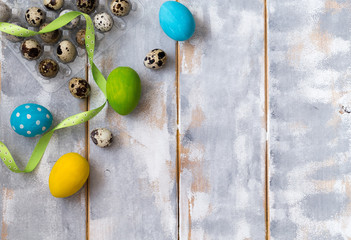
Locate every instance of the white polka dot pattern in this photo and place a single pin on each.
(28, 121)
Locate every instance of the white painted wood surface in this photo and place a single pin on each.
(222, 122)
(133, 188)
(309, 73)
(28, 211)
(218, 76)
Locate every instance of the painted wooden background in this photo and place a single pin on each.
(28, 211)
(222, 130)
(309, 76)
(133, 184)
(193, 161)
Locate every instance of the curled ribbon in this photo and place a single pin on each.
(79, 118)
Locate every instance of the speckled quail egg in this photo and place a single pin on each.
(79, 87)
(155, 59)
(103, 22)
(86, 6)
(80, 37)
(13, 38)
(53, 4)
(120, 8)
(66, 51)
(35, 16)
(50, 37)
(102, 137)
(48, 68)
(5, 12)
(72, 24)
(31, 49)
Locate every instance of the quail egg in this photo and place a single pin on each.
(50, 37)
(72, 24)
(66, 51)
(120, 8)
(86, 6)
(80, 37)
(35, 16)
(53, 4)
(103, 22)
(31, 49)
(155, 59)
(5, 12)
(102, 137)
(48, 68)
(79, 88)
(13, 38)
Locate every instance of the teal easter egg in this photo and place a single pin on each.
(176, 21)
(31, 120)
(123, 90)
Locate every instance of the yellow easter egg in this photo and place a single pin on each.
(68, 175)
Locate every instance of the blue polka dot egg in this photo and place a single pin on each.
(31, 120)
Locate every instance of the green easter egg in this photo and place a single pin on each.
(123, 90)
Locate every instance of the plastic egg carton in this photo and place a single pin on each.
(68, 70)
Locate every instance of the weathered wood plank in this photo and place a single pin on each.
(133, 182)
(309, 50)
(27, 209)
(222, 122)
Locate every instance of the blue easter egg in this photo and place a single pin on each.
(30, 120)
(176, 21)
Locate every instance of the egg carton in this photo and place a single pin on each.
(68, 70)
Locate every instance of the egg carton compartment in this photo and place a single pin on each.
(104, 40)
(120, 27)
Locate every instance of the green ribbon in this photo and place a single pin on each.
(79, 118)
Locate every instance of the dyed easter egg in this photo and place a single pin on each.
(30, 120)
(123, 90)
(68, 175)
(176, 21)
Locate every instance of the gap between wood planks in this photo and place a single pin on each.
(178, 163)
(266, 112)
(0, 81)
(87, 151)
